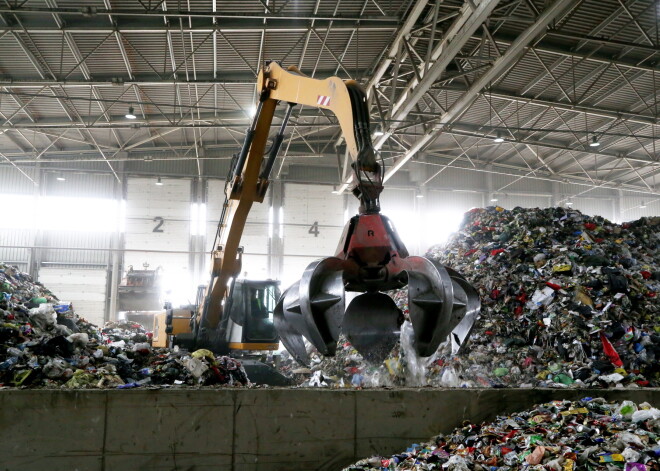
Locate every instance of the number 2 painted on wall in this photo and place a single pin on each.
(160, 222)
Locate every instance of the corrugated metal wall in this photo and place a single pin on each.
(158, 219)
(636, 206)
(596, 207)
(84, 288)
(457, 178)
(14, 182)
(510, 201)
(92, 185)
(68, 248)
(16, 237)
(510, 184)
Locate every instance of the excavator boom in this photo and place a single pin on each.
(370, 256)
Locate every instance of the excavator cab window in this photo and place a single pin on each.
(259, 325)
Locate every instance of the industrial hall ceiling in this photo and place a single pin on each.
(562, 90)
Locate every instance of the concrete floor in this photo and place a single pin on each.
(240, 429)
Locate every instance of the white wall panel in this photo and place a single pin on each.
(293, 268)
(215, 198)
(171, 201)
(20, 237)
(595, 207)
(84, 288)
(146, 201)
(255, 267)
(631, 210)
(394, 200)
(524, 201)
(305, 205)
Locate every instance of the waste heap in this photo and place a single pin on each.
(567, 300)
(346, 369)
(44, 343)
(590, 434)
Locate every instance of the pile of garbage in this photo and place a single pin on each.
(568, 300)
(44, 343)
(558, 436)
(346, 369)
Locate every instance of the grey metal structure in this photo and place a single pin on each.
(445, 78)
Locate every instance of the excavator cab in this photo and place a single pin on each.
(251, 306)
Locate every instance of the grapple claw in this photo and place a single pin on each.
(468, 314)
(430, 303)
(371, 258)
(322, 303)
(372, 324)
(289, 323)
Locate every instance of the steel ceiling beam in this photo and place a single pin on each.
(596, 30)
(590, 110)
(543, 176)
(512, 55)
(557, 146)
(460, 31)
(120, 122)
(224, 27)
(90, 12)
(402, 32)
(150, 80)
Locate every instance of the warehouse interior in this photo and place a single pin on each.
(120, 126)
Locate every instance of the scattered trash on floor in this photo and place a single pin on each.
(44, 343)
(590, 434)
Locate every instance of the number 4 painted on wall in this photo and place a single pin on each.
(314, 229)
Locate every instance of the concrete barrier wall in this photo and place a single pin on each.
(260, 429)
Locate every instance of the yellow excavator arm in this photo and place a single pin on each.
(250, 174)
(370, 257)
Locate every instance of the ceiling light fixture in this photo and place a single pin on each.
(499, 137)
(569, 203)
(642, 206)
(419, 194)
(493, 200)
(594, 142)
(60, 178)
(131, 113)
(378, 131)
(334, 190)
(159, 182)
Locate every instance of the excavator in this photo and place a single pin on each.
(370, 258)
